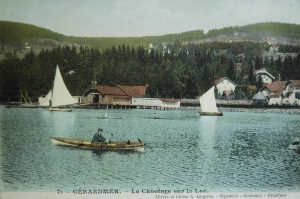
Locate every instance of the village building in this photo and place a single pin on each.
(170, 103)
(225, 86)
(116, 95)
(156, 103)
(265, 76)
(274, 92)
(274, 53)
(274, 49)
(283, 92)
(141, 102)
(291, 93)
(260, 99)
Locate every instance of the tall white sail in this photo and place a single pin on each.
(208, 102)
(45, 101)
(60, 94)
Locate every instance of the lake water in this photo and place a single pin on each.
(237, 152)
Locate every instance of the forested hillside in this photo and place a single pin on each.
(182, 67)
(185, 72)
(261, 29)
(15, 35)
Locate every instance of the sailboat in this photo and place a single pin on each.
(59, 97)
(208, 103)
(26, 101)
(45, 101)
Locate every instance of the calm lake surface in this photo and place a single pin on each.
(237, 152)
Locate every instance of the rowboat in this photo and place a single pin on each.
(105, 146)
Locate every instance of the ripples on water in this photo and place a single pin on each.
(236, 152)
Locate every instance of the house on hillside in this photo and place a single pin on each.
(274, 49)
(225, 86)
(275, 53)
(274, 92)
(283, 92)
(260, 99)
(291, 93)
(266, 77)
(116, 95)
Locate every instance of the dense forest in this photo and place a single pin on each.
(179, 71)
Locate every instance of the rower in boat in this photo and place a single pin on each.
(98, 138)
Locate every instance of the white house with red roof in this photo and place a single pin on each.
(283, 92)
(274, 92)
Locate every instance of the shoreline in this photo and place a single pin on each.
(252, 109)
(277, 109)
(262, 110)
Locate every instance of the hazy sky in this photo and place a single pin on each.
(145, 17)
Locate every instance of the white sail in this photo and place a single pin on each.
(45, 101)
(60, 94)
(208, 102)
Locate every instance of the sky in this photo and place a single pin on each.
(119, 18)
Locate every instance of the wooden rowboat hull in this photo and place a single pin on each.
(60, 109)
(211, 113)
(112, 146)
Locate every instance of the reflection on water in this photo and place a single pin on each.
(236, 152)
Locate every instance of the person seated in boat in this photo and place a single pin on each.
(98, 138)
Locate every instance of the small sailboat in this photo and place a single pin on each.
(26, 101)
(44, 101)
(208, 103)
(59, 97)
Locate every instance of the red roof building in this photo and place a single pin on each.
(133, 91)
(276, 88)
(114, 95)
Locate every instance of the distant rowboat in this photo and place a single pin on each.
(106, 146)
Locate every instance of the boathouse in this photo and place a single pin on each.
(156, 103)
(113, 95)
(170, 103)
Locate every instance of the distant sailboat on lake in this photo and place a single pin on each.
(59, 97)
(208, 103)
(26, 101)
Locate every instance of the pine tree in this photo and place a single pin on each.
(230, 71)
(251, 79)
